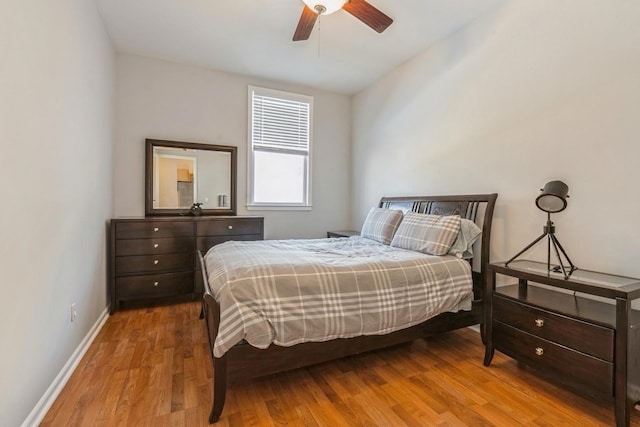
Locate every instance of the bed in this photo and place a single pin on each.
(339, 297)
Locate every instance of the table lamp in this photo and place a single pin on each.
(552, 199)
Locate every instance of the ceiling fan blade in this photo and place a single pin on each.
(305, 25)
(368, 14)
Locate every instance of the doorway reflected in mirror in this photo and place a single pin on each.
(175, 176)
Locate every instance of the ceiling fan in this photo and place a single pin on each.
(358, 8)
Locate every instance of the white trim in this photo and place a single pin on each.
(275, 93)
(46, 401)
(279, 207)
(250, 153)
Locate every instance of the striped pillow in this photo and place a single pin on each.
(381, 224)
(429, 234)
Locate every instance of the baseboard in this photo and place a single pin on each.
(46, 401)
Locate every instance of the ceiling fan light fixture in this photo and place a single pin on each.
(360, 9)
(325, 7)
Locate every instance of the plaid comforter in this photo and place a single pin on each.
(292, 291)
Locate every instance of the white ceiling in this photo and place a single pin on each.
(253, 37)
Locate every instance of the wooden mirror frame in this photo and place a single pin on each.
(149, 210)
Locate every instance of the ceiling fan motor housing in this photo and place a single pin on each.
(325, 7)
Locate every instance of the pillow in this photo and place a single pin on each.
(469, 233)
(381, 224)
(430, 234)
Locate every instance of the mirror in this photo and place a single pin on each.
(179, 174)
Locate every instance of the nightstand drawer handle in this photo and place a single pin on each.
(539, 323)
(539, 351)
(155, 261)
(231, 227)
(156, 283)
(155, 245)
(156, 229)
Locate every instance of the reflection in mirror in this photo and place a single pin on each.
(176, 177)
(180, 174)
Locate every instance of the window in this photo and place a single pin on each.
(279, 149)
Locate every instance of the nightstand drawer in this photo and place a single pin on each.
(572, 367)
(156, 285)
(151, 229)
(154, 263)
(585, 337)
(342, 233)
(125, 247)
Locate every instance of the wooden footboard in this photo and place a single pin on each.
(243, 362)
(211, 314)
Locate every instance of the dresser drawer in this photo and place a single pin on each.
(153, 246)
(156, 285)
(577, 369)
(151, 229)
(203, 244)
(585, 337)
(231, 226)
(154, 263)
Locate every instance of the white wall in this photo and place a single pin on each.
(55, 181)
(164, 100)
(536, 91)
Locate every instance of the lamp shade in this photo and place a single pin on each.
(328, 6)
(553, 197)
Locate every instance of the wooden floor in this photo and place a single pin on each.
(151, 367)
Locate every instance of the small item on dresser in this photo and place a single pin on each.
(196, 209)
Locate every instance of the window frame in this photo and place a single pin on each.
(289, 96)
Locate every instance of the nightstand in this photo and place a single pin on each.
(342, 233)
(588, 344)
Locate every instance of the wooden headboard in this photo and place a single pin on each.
(475, 207)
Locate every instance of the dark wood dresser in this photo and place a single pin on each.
(156, 257)
(590, 345)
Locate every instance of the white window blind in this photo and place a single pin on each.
(280, 124)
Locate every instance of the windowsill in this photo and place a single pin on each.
(278, 208)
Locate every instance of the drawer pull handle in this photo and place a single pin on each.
(156, 283)
(155, 261)
(155, 245)
(539, 323)
(156, 229)
(231, 227)
(539, 351)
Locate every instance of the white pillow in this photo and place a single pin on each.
(381, 224)
(469, 233)
(430, 234)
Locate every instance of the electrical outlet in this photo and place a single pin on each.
(74, 312)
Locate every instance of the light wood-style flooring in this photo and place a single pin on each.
(151, 367)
